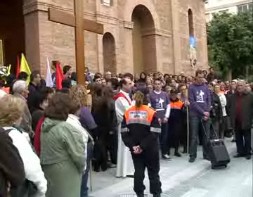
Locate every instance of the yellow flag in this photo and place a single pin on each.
(9, 70)
(24, 67)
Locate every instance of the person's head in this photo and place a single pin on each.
(222, 86)
(217, 88)
(211, 70)
(233, 85)
(42, 98)
(108, 75)
(183, 89)
(143, 76)
(23, 76)
(114, 83)
(79, 94)
(139, 99)
(247, 88)
(158, 84)
(129, 76)
(20, 87)
(12, 109)
(66, 83)
(126, 84)
(58, 106)
(67, 71)
(86, 70)
(199, 77)
(240, 86)
(97, 80)
(103, 81)
(73, 76)
(210, 87)
(36, 77)
(173, 94)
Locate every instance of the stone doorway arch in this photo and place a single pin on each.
(144, 40)
(12, 31)
(109, 53)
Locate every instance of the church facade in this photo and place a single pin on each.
(139, 35)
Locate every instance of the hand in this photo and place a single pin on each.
(165, 120)
(205, 118)
(137, 150)
(186, 103)
(206, 114)
(160, 121)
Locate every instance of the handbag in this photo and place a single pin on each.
(27, 189)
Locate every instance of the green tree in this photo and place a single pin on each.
(230, 43)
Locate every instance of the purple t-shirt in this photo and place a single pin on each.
(87, 119)
(159, 102)
(200, 99)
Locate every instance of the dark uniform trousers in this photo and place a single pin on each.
(149, 159)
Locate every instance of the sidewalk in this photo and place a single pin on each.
(172, 174)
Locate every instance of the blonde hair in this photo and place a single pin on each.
(12, 109)
(139, 99)
(79, 95)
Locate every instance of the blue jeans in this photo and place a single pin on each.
(197, 125)
(85, 177)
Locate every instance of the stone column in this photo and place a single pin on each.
(176, 36)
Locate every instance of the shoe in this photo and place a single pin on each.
(111, 165)
(166, 156)
(192, 159)
(140, 195)
(248, 157)
(239, 155)
(156, 195)
(177, 154)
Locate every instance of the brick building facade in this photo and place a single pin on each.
(140, 35)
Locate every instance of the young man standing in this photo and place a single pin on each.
(160, 102)
(200, 106)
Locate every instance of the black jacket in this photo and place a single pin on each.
(11, 165)
(247, 110)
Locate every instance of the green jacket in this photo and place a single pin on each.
(62, 158)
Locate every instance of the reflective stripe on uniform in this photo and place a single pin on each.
(138, 121)
(155, 130)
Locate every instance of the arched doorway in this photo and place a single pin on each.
(109, 53)
(12, 34)
(144, 42)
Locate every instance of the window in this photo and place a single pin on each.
(107, 2)
(245, 7)
(190, 22)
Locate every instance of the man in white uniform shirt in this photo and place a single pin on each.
(122, 103)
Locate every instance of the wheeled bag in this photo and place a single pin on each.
(218, 153)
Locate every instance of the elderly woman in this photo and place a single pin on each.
(10, 118)
(62, 149)
(20, 90)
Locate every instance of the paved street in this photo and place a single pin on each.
(182, 179)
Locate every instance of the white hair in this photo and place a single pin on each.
(19, 86)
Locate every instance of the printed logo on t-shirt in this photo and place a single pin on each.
(159, 103)
(200, 96)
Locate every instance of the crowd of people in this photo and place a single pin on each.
(114, 121)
